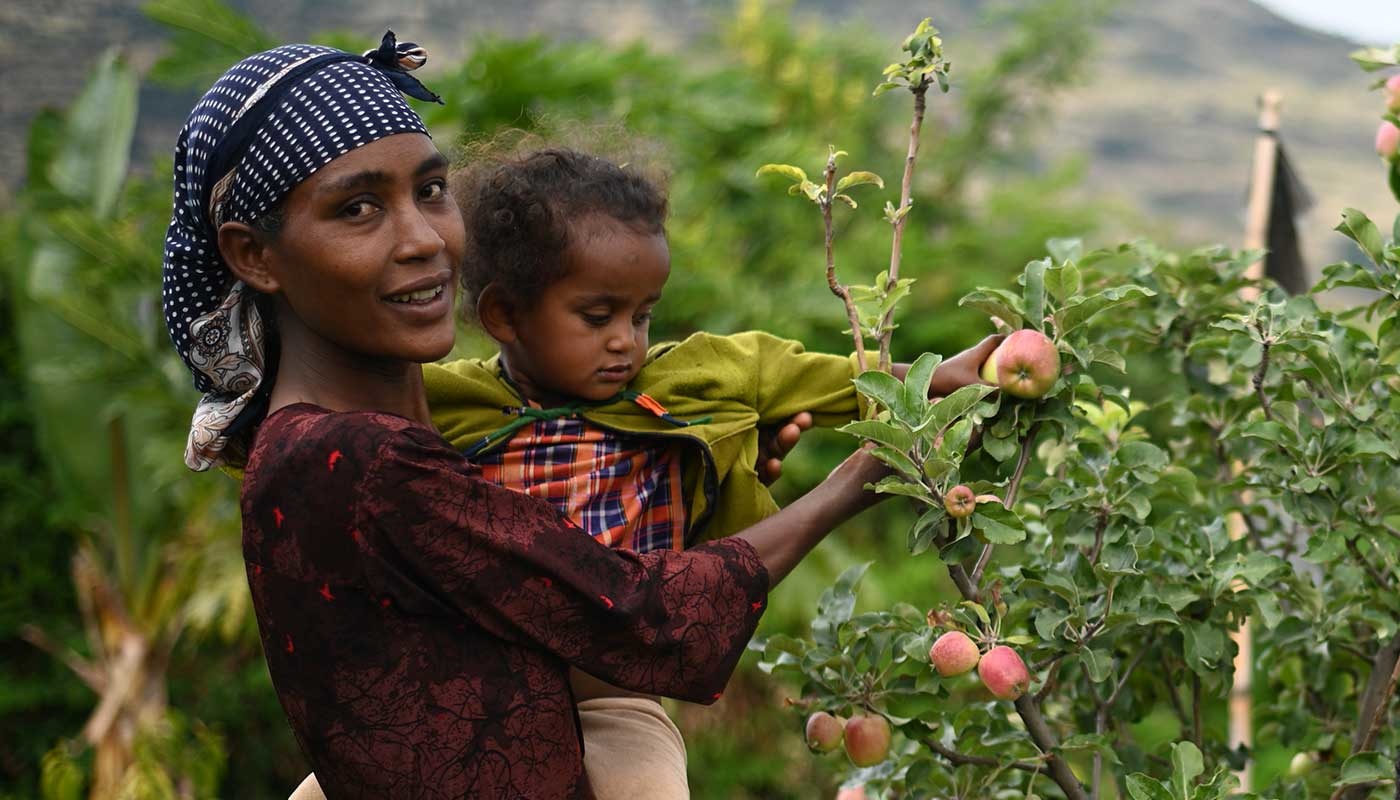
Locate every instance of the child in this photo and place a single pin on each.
(644, 448)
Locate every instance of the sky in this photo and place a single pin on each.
(1370, 22)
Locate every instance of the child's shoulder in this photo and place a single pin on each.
(743, 346)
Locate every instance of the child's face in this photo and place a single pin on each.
(585, 337)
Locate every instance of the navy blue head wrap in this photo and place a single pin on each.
(270, 122)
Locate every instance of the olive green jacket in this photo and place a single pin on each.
(718, 390)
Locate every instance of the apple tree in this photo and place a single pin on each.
(1175, 447)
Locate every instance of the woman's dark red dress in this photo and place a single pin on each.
(419, 622)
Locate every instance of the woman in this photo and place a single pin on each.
(418, 623)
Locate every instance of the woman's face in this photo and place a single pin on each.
(368, 252)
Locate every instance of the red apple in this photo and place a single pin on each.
(1025, 365)
(1392, 94)
(823, 732)
(960, 502)
(953, 654)
(867, 740)
(1004, 673)
(851, 793)
(1388, 141)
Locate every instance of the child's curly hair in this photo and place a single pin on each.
(522, 200)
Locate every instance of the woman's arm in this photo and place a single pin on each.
(959, 371)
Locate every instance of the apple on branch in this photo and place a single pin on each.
(867, 739)
(1025, 365)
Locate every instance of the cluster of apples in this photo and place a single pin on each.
(1001, 668)
(1388, 136)
(865, 736)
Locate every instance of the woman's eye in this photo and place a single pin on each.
(357, 209)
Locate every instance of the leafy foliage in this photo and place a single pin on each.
(1254, 483)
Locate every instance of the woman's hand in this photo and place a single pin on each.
(774, 444)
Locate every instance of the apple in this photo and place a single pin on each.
(1388, 141)
(851, 793)
(1004, 673)
(960, 502)
(1392, 94)
(1025, 365)
(823, 732)
(954, 653)
(1301, 764)
(867, 739)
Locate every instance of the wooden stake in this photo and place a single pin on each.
(1256, 236)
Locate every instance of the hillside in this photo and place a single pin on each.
(1164, 124)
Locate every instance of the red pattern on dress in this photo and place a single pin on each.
(440, 669)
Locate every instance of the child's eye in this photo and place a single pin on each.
(434, 190)
(642, 318)
(596, 320)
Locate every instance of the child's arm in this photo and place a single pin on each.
(959, 371)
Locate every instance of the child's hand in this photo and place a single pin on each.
(961, 370)
(774, 443)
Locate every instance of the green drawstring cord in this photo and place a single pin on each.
(527, 415)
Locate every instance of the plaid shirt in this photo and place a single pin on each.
(624, 490)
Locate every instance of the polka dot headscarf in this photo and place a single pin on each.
(270, 122)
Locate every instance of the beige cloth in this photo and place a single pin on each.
(631, 750)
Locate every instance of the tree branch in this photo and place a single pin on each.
(1259, 375)
(906, 190)
(1012, 489)
(86, 671)
(1044, 738)
(837, 288)
(959, 759)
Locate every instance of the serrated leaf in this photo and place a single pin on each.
(998, 524)
(1358, 227)
(1365, 768)
(1076, 312)
(859, 178)
(881, 387)
(786, 170)
(880, 432)
(1035, 293)
(1142, 787)
(920, 373)
(1187, 766)
(998, 303)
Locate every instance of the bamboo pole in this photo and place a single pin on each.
(1256, 236)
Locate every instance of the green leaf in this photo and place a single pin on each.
(859, 178)
(1205, 646)
(954, 406)
(881, 387)
(836, 604)
(1365, 768)
(1187, 765)
(924, 706)
(998, 524)
(1000, 449)
(797, 174)
(1096, 665)
(880, 432)
(920, 373)
(1358, 227)
(1076, 312)
(1035, 293)
(925, 529)
(1142, 787)
(998, 303)
(899, 460)
(91, 165)
(1066, 249)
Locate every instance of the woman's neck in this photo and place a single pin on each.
(311, 369)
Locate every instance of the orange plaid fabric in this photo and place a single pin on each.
(624, 490)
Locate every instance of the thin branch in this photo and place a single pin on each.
(1259, 375)
(837, 288)
(906, 191)
(959, 759)
(1099, 528)
(1376, 575)
(1382, 709)
(1012, 489)
(1044, 738)
(1196, 732)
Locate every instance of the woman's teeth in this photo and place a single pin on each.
(421, 296)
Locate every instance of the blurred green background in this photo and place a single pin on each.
(123, 607)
